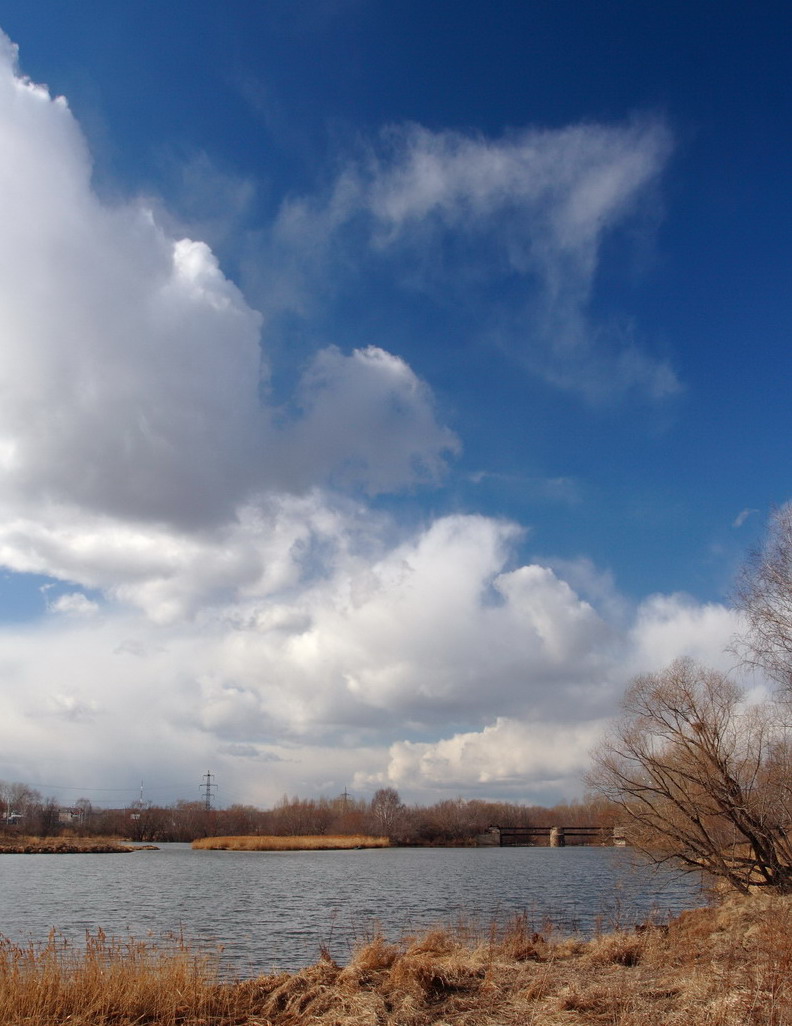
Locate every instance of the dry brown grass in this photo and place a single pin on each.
(726, 966)
(312, 842)
(108, 981)
(24, 845)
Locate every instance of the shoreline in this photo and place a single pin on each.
(729, 963)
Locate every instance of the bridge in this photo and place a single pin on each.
(553, 837)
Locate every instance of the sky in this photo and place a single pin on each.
(383, 384)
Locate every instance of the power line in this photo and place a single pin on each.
(116, 790)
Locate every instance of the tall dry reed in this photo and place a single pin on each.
(724, 966)
(110, 981)
(313, 842)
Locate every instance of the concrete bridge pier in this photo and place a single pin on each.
(557, 839)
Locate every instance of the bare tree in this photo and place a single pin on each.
(701, 778)
(85, 813)
(19, 803)
(386, 811)
(764, 594)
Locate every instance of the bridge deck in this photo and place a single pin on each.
(508, 837)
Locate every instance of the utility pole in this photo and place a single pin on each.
(208, 787)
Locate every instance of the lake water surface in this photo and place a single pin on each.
(274, 910)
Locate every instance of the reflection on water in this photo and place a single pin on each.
(272, 910)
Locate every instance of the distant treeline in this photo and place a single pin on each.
(454, 821)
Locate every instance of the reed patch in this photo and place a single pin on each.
(315, 842)
(23, 845)
(729, 965)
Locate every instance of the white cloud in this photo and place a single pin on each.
(252, 620)
(595, 585)
(425, 662)
(669, 626)
(571, 182)
(129, 363)
(132, 425)
(513, 756)
(534, 758)
(73, 604)
(131, 368)
(267, 548)
(742, 516)
(471, 212)
(351, 404)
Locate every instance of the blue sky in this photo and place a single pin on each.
(384, 384)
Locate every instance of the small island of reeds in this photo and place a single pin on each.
(16, 845)
(311, 842)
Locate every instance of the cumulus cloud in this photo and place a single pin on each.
(518, 221)
(169, 575)
(506, 754)
(129, 363)
(350, 405)
(131, 366)
(543, 756)
(427, 663)
(667, 626)
(134, 412)
(253, 612)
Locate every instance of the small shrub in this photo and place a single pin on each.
(617, 949)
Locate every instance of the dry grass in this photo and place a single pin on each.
(313, 842)
(726, 966)
(108, 981)
(23, 845)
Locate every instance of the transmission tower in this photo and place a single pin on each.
(207, 787)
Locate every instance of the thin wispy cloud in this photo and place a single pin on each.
(742, 516)
(520, 220)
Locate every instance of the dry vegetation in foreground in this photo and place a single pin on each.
(315, 842)
(13, 845)
(725, 966)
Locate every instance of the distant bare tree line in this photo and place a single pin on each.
(454, 821)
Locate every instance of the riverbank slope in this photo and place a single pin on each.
(730, 965)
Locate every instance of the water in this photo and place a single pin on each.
(275, 910)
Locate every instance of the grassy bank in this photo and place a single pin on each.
(727, 966)
(317, 842)
(65, 846)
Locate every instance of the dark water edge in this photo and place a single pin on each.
(263, 911)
